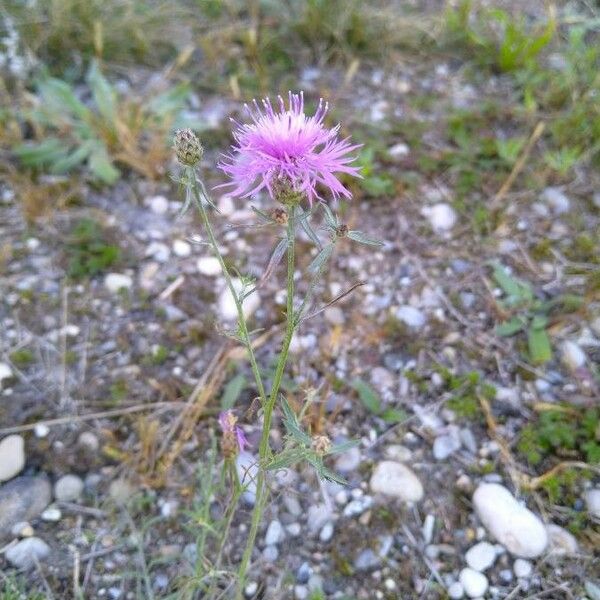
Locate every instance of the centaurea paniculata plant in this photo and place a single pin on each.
(297, 161)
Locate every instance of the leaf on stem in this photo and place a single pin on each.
(361, 238)
(322, 257)
(275, 259)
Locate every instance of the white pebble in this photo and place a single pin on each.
(182, 248)
(227, 307)
(159, 205)
(208, 266)
(52, 514)
(397, 480)
(522, 568)
(411, 316)
(5, 372)
(68, 488)
(481, 556)
(474, 583)
(592, 500)
(114, 282)
(441, 216)
(456, 590)
(573, 356)
(274, 534)
(12, 456)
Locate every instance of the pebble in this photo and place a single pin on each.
(121, 491)
(226, 303)
(446, 445)
(88, 440)
(12, 456)
(300, 592)
(592, 501)
(247, 469)
(397, 480)
(114, 282)
(357, 506)
(481, 556)
(68, 488)
(159, 205)
(411, 316)
(428, 527)
(22, 529)
(26, 553)
(556, 199)
(158, 251)
(334, 315)
(52, 514)
(522, 568)
(23, 499)
(398, 453)
(456, 590)
(250, 589)
(270, 553)
(275, 533)
(474, 583)
(208, 266)
(41, 430)
(441, 216)
(294, 529)
(303, 573)
(5, 372)
(326, 533)
(512, 525)
(398, 150)
(348, 461)
(561, 541)
(182, 248)
(573, 356)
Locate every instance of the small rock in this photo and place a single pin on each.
(556, 199)
(158, 251)
(247, 469)
(208, 266)
(22, 529)
(327, 532)
(446, 445)
(456, 590)
(398, 453)
(121, 491)
(318, 515)
(369, 559)
(27, 553)
(441, 216)
(182, 248)
(481, 556)
(275, 533)
(41, 430)
(226, 303)
(357, 506)
(114, 282)
(411, 316)
(250, 589)
(52, 514)
(159, 205)
(335, 315)
(427, 528)
(294, 529)
(89, 441)
(68, 488)
(398, 150)
(474, 583)
(5, 372)
(303, 573)
(561, 541)
(270, 553)
(300, 592)
(522, 568)
(23, 499)
(348, 461)
(592, 501)
(12, 456)
(573, 356)
(395, 479)
(520, 531)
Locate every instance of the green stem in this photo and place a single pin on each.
(264, 448)
(238, 304)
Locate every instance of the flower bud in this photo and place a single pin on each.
(279, 216)
(342, 230)
(188, 148)
(321, 444)
(285, 191)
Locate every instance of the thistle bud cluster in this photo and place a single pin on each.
(321, 444)
(188, 148)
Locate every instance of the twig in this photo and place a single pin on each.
(168, 291)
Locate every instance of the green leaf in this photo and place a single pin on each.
(361, 238)
(232, 391)
(322, 471)
(540, 350)
(101, 166)
(287, 458)
(75, 158)
(292, 425)
(343, 447)
(60, 99)
(517, 291)
(36, 155)
(104, 94)
(368, 396)
(322, 257)
(393, 415)
(510, 327)
(170, 102)
(539, 322)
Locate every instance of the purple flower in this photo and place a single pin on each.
(288, 145)
(227, 421)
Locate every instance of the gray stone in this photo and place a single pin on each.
(114, 282)
(23, 499)
(348, 461)
(456, 590)
(326, 533)
(275, 533)
(411, 316)
(318, 515)
(68, 488)
(397, 480)
(270, 553)
(447, 444)
(12, 456)
(121, 491)
(557, 200)
(247, 469)
(27, 553)
(561, 541)
(592, 501)
(52, 514)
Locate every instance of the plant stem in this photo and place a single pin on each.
(264, 448)
(238, 304)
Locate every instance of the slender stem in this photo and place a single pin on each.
(264, 448)
(238, 304)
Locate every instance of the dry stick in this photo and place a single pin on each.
(535, 136)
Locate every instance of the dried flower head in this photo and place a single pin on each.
(286, 150)
(279, 216)
(188, 148)
(233, 440)
(321, 444)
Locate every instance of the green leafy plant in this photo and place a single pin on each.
(375, 183)
(372, 402)
(88, 250)
(111, 129)
(529, 314)
(465, 390)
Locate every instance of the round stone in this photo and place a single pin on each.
(474, 583)
(481, 556)
(68, 488)
(592, 501)
(26, 553)
(394, 479)
(12, 456)
(182, 248)
(115, 282)
(208, 266)
(441, 216)
(411, 316)
(275, 533)
(456, 590)
(522, 568)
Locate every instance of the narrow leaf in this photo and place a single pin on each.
(510, 327)
(322, 257)
(368, 396)
(361, 238)
(540, 350)
(232, 391)
(103, 93)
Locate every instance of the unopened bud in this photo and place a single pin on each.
(187, 147)
(321, 444)
(279, 216)
(342, 230)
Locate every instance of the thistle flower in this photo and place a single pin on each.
(188, 148)
(288, 147)
(233, 440)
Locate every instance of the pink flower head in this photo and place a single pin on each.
(227, 422)
(288, 145)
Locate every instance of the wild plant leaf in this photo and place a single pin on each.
(101, 166)
(310, 232)
(322, 471)
(330, 218)
(368, 396)
(508, 150)
(343, 447)
(540, 350)
(263, 216)
(170, 102)
(287, 458)
(539, 322)
(510, 327)
(516, 290)
(275, 259)
(104, 94)
(232, 391)
(292, 425)
(322, 257)
(74, 159)
(39, 154)
(59, 99)
(361, 238)
(393, 415)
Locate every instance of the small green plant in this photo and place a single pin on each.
(372, 402)
(88, 250)
(528, 314)
(465, 389)
(22, 357)
(562, 160)
(374, 183)
(112, 129)
(157, 356)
